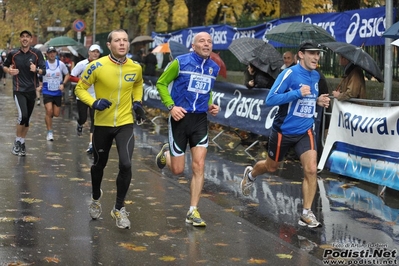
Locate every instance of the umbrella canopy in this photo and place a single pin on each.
(41, 47)
(392, 32)
(61, 41)
(293, 33)
(218, 60)
(177, 49)
(142, 39)
(259, 53)
(357, 56)
(162, 48)
(79, 49)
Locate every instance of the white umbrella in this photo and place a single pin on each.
(396, 43)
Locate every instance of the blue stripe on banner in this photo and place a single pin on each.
(358, 27)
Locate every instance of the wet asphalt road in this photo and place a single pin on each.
(45, 195)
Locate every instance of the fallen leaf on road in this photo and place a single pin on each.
(52, 259)
(30, 219)
(284, 256)
(148, 233)
(31, 200)
(55, 228)
(167, 258)
(133, 247)
(256, 261)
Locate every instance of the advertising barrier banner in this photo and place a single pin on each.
(362, 143)
(239, 107)
(357, 27)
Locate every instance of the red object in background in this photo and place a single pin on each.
(218, 60)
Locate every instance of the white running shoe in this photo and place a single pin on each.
(50, 136)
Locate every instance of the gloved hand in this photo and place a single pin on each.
(140, 113)
(101, 104)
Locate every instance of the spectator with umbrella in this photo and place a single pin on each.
(353, 84)
(263, 60)
(354, 59)
(150, 62)
(256, 78)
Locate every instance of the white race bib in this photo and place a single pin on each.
(304, 108)
(199, 84)
(53, 85)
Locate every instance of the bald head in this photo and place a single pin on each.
(288, 58)
(202, 44)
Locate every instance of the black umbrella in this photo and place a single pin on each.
(259, 53)
(177, 48)
(357, 56)
(293, 33)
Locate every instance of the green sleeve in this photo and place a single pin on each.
(170, 74)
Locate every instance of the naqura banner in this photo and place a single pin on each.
(362, 143)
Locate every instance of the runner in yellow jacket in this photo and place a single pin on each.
(118, 85)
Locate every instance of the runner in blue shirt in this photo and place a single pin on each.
(296, 92)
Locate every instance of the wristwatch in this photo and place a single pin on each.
(170, 107)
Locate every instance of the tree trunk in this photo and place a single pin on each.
(348, 5)
(290, 8)
(169, 21)
(152, 19)
(196, 12)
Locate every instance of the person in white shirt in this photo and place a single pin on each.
(57, 75)
(94, 53)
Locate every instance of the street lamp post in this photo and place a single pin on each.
(58, 22)
(38, 29)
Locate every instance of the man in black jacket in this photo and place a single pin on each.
(24, 65)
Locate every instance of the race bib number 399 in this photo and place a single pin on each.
(199, 84)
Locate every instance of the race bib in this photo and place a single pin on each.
(199, 84)
(304, 108)
(53, 85)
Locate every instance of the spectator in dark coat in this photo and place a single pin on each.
(258, 78)
(150, 63)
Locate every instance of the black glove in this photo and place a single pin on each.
(101, 104)
(140, 113)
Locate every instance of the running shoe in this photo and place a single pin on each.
(50, 136)
(79, 130)
(16, 149)
(95, 207)
(22, 152)
(194, 218)
(90, 148)
(246, 183)
(160, 159)
(38, 101)
(309, 220)
(120, 217)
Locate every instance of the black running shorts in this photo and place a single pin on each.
(280, 144)
(192, 129)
